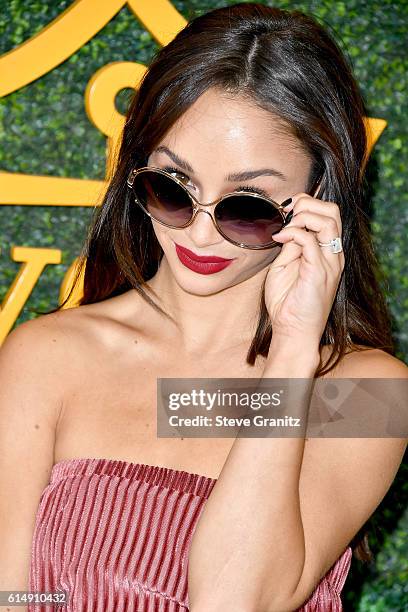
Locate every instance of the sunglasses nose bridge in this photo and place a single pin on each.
(198, 210)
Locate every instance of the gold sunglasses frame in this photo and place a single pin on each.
(196, 205)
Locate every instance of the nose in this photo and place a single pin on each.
(203, 231)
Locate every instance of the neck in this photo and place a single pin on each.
(209, 323)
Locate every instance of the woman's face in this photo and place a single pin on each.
(217, 136)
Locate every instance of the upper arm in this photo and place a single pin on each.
(343, 480)
(30, 400)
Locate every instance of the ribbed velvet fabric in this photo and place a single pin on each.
(116, 536)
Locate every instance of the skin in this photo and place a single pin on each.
(339, 481)
(234, 135)
(135, 339)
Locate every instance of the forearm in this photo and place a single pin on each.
(250, 531)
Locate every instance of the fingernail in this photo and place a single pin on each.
(286, 202)
(288, 218)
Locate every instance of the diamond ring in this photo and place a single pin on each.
(334, 244)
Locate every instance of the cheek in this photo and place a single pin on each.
(261, 259)
(161, 232)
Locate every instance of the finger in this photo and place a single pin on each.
(325, 228)
(311, 251)
(331, 209)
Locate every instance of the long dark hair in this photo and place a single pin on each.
(288, 64)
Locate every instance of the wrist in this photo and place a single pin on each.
(299, 347)
(292, 358)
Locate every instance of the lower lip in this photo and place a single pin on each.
(202, 267)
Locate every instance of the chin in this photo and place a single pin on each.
(201, 284)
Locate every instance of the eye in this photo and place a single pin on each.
(250, 189)
(180, 176)
(184, 179)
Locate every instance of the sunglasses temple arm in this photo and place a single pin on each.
(315, 184)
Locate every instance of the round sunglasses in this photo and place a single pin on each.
(245, 219)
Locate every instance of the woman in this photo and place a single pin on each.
(245, 99)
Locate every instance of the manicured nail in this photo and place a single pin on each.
(288, 218)
(286, 202)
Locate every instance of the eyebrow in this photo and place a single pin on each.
(245, 175)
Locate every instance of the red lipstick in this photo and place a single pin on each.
(203, 264)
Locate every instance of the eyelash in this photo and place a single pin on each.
(249, 188)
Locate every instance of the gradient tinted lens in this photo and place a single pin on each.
(163, 198)
(248, 220)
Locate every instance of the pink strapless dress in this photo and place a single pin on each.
(116, 536)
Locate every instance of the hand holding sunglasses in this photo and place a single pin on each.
(302, 281)
(245, 219)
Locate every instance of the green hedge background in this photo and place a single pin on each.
(44, 130)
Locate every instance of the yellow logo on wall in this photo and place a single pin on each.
(31, 60)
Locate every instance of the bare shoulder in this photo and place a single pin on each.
(344, 478)
(103, 324)
(61, 345)
(32, 361)
(44, 354)
(43, 338)
(33, 340)
(69, 330)
(368, 362)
